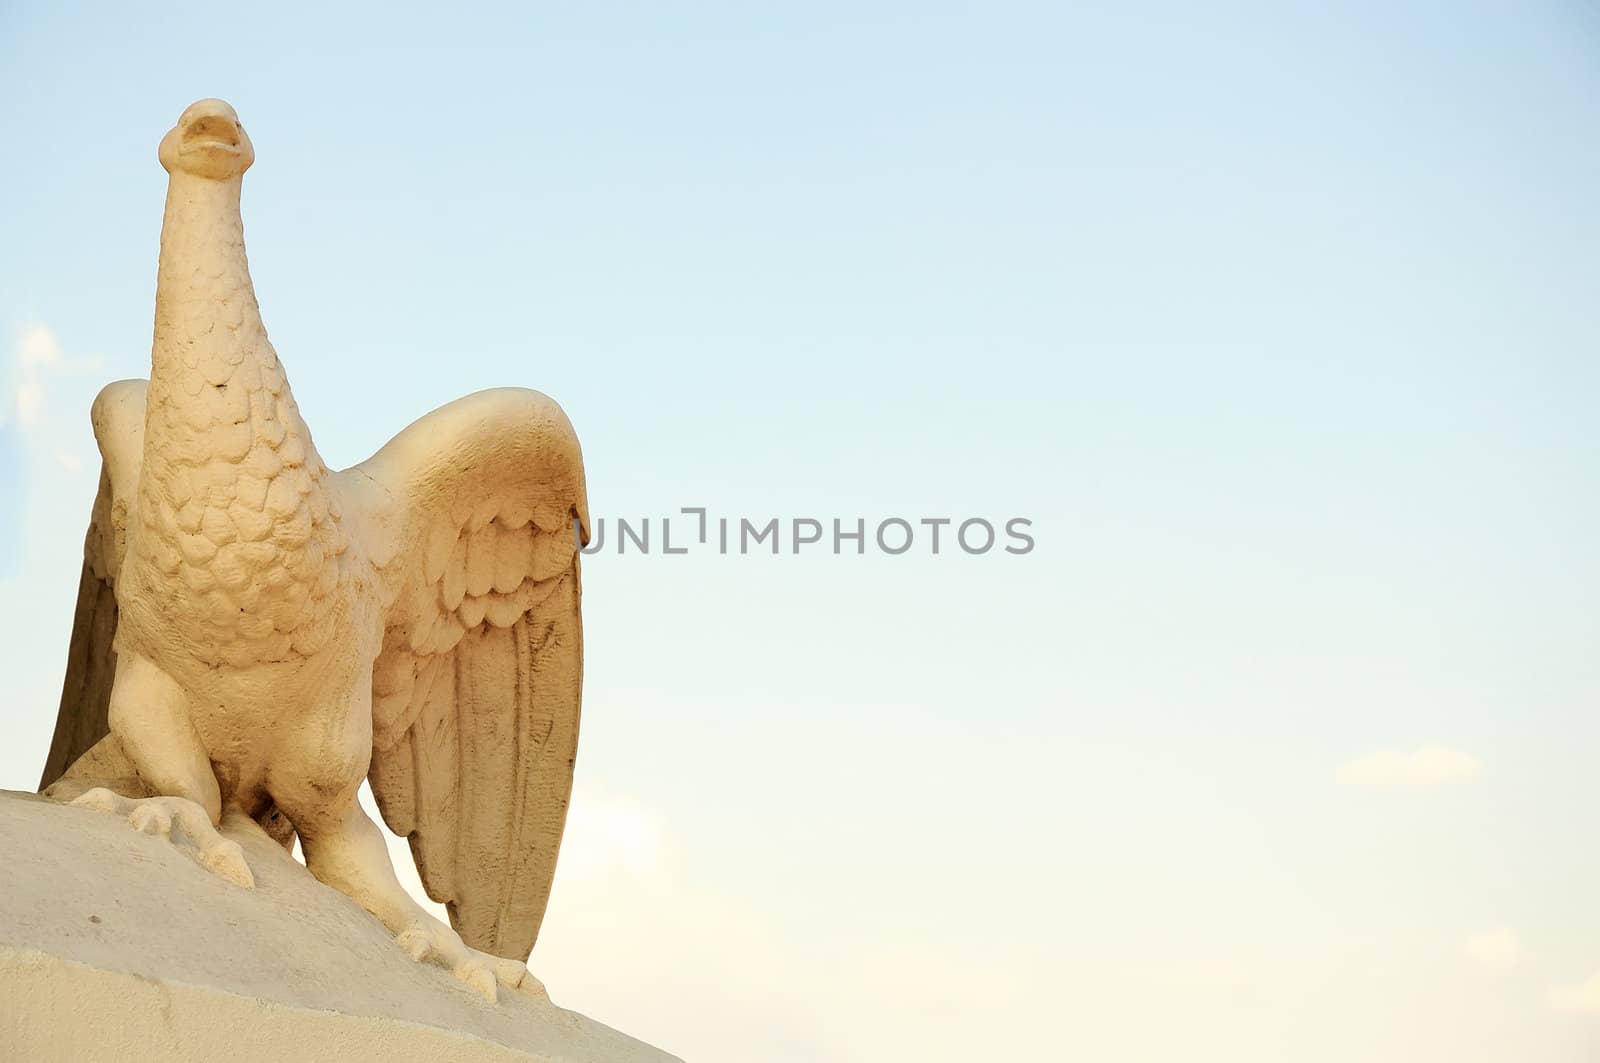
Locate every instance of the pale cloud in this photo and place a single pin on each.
(1498, 949)
(38, 347)
(1427, 766)
(607, 838)
(44, 393)
(609, 834)
(36, 352)
(29, 402)
(634, 937)
(1580, 999)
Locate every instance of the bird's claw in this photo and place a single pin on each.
(224, 857)
(514, 974)
(151, 819)
(427, 940)
(182, 822)
(480, 978)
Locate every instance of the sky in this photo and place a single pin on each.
(1276, 322)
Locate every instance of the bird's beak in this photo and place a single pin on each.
(207, 142)
(211, 130)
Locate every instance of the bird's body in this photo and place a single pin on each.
(239, 573)
(282, 631)
(237, 514)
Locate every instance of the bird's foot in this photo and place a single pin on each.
(183, 823)
(513, 974)
(427, 940)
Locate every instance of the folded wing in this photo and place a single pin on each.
(118, 418)
(475, 695)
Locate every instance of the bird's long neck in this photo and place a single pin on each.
(207, 320)
(231, 479)
(237, 548)
(217, 391)
(203, 279)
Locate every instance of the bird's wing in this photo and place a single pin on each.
(118, 417)
(470, 515)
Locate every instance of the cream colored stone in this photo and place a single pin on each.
(238, 599)
(115, 947)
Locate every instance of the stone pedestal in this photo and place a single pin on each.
(115, 946)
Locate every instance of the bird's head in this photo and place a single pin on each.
(207, 142)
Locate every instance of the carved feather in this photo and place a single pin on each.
(472, 758)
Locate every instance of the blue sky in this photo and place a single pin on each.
(1277, 321)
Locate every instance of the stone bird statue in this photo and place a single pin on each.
(256, 634)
